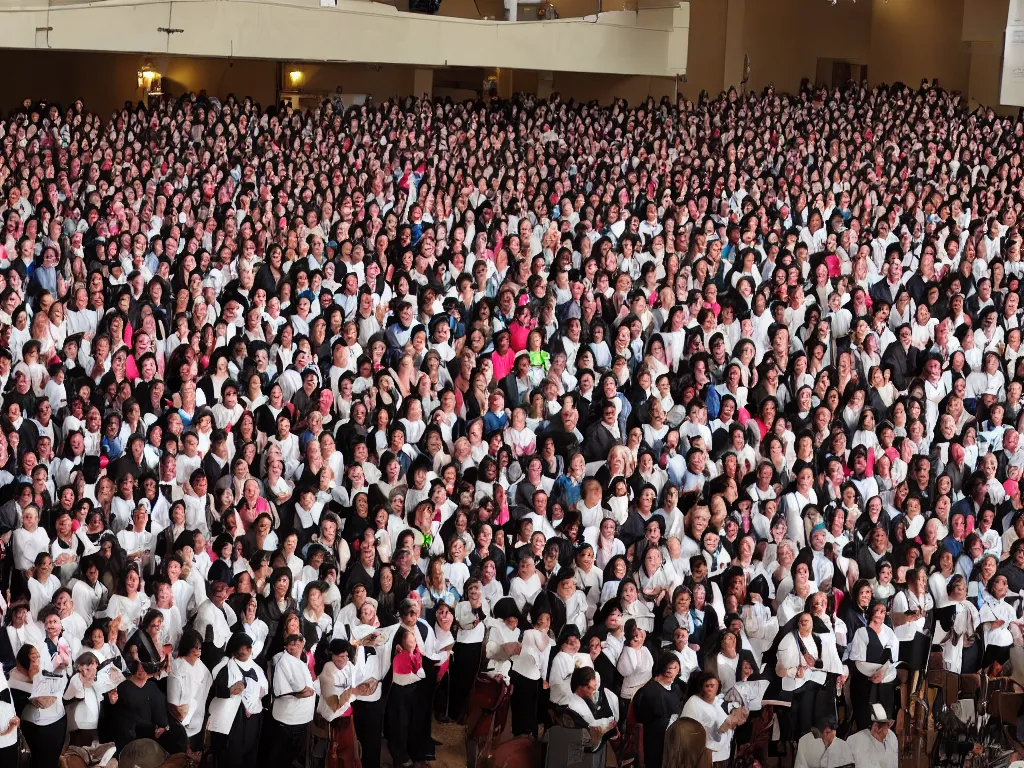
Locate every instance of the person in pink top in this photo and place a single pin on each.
(408, 676)
(503, 357)
(520, 328)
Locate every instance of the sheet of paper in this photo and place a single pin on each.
(818, 676)
(48, 684)
(748, 693)
(188, 716)
(251, 696)
(108, 678)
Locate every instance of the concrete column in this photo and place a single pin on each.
(423, 82)
(505, 78)
(734, 45)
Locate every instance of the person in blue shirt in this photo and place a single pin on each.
(495, 420)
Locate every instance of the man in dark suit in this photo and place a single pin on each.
(516, 385)
(890, 285)
(956, 469)
(215, 463)
(902, 359)
(602, 435)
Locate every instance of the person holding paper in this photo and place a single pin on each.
(84, 701)
(911, 613)
(236, 712)
(958, 624)
(705, 706)
(339, 684)
(875, 650)
(996, 616)
(43, 721)
(801, 664)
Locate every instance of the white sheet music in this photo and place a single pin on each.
(251, 696)
(48, 684)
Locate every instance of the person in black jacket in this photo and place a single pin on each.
(902, 359)
(140, 708)
(602, 435)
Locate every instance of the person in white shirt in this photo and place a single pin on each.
(584, 686)
(10, 742)
(705, 706)
(875, 747)
(822, 748)
(294, 701)
(83, 701)
(188, 687)
(213, 622)
(236, 709)
(340, 683)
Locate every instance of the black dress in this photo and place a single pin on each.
(653, 707)
(138, 713)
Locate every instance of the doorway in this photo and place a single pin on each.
(837, 72)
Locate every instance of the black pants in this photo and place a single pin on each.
(282, 744)
(463, 669)
(525, 696)
(368, 717)
(402, 703)
(806, 708)
(240, 747)
(421, 745)
(9, 755)
(45, 742)
(174, 740)
(996, 654)
(864, 693)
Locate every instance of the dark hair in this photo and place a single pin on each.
(190, 640)
(582, 676)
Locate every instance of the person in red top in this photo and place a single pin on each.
(407, 675)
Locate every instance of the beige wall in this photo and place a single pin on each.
(785, 38)
(957, 41)
(919, 39)
(571, 85)
(706, 60)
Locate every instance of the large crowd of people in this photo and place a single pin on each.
(681, 415)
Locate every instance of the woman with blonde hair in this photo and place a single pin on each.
(686, 745)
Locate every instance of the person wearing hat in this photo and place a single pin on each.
(821, 747)
(877, 746)
(236, 709)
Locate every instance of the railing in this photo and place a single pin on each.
(462, 9)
